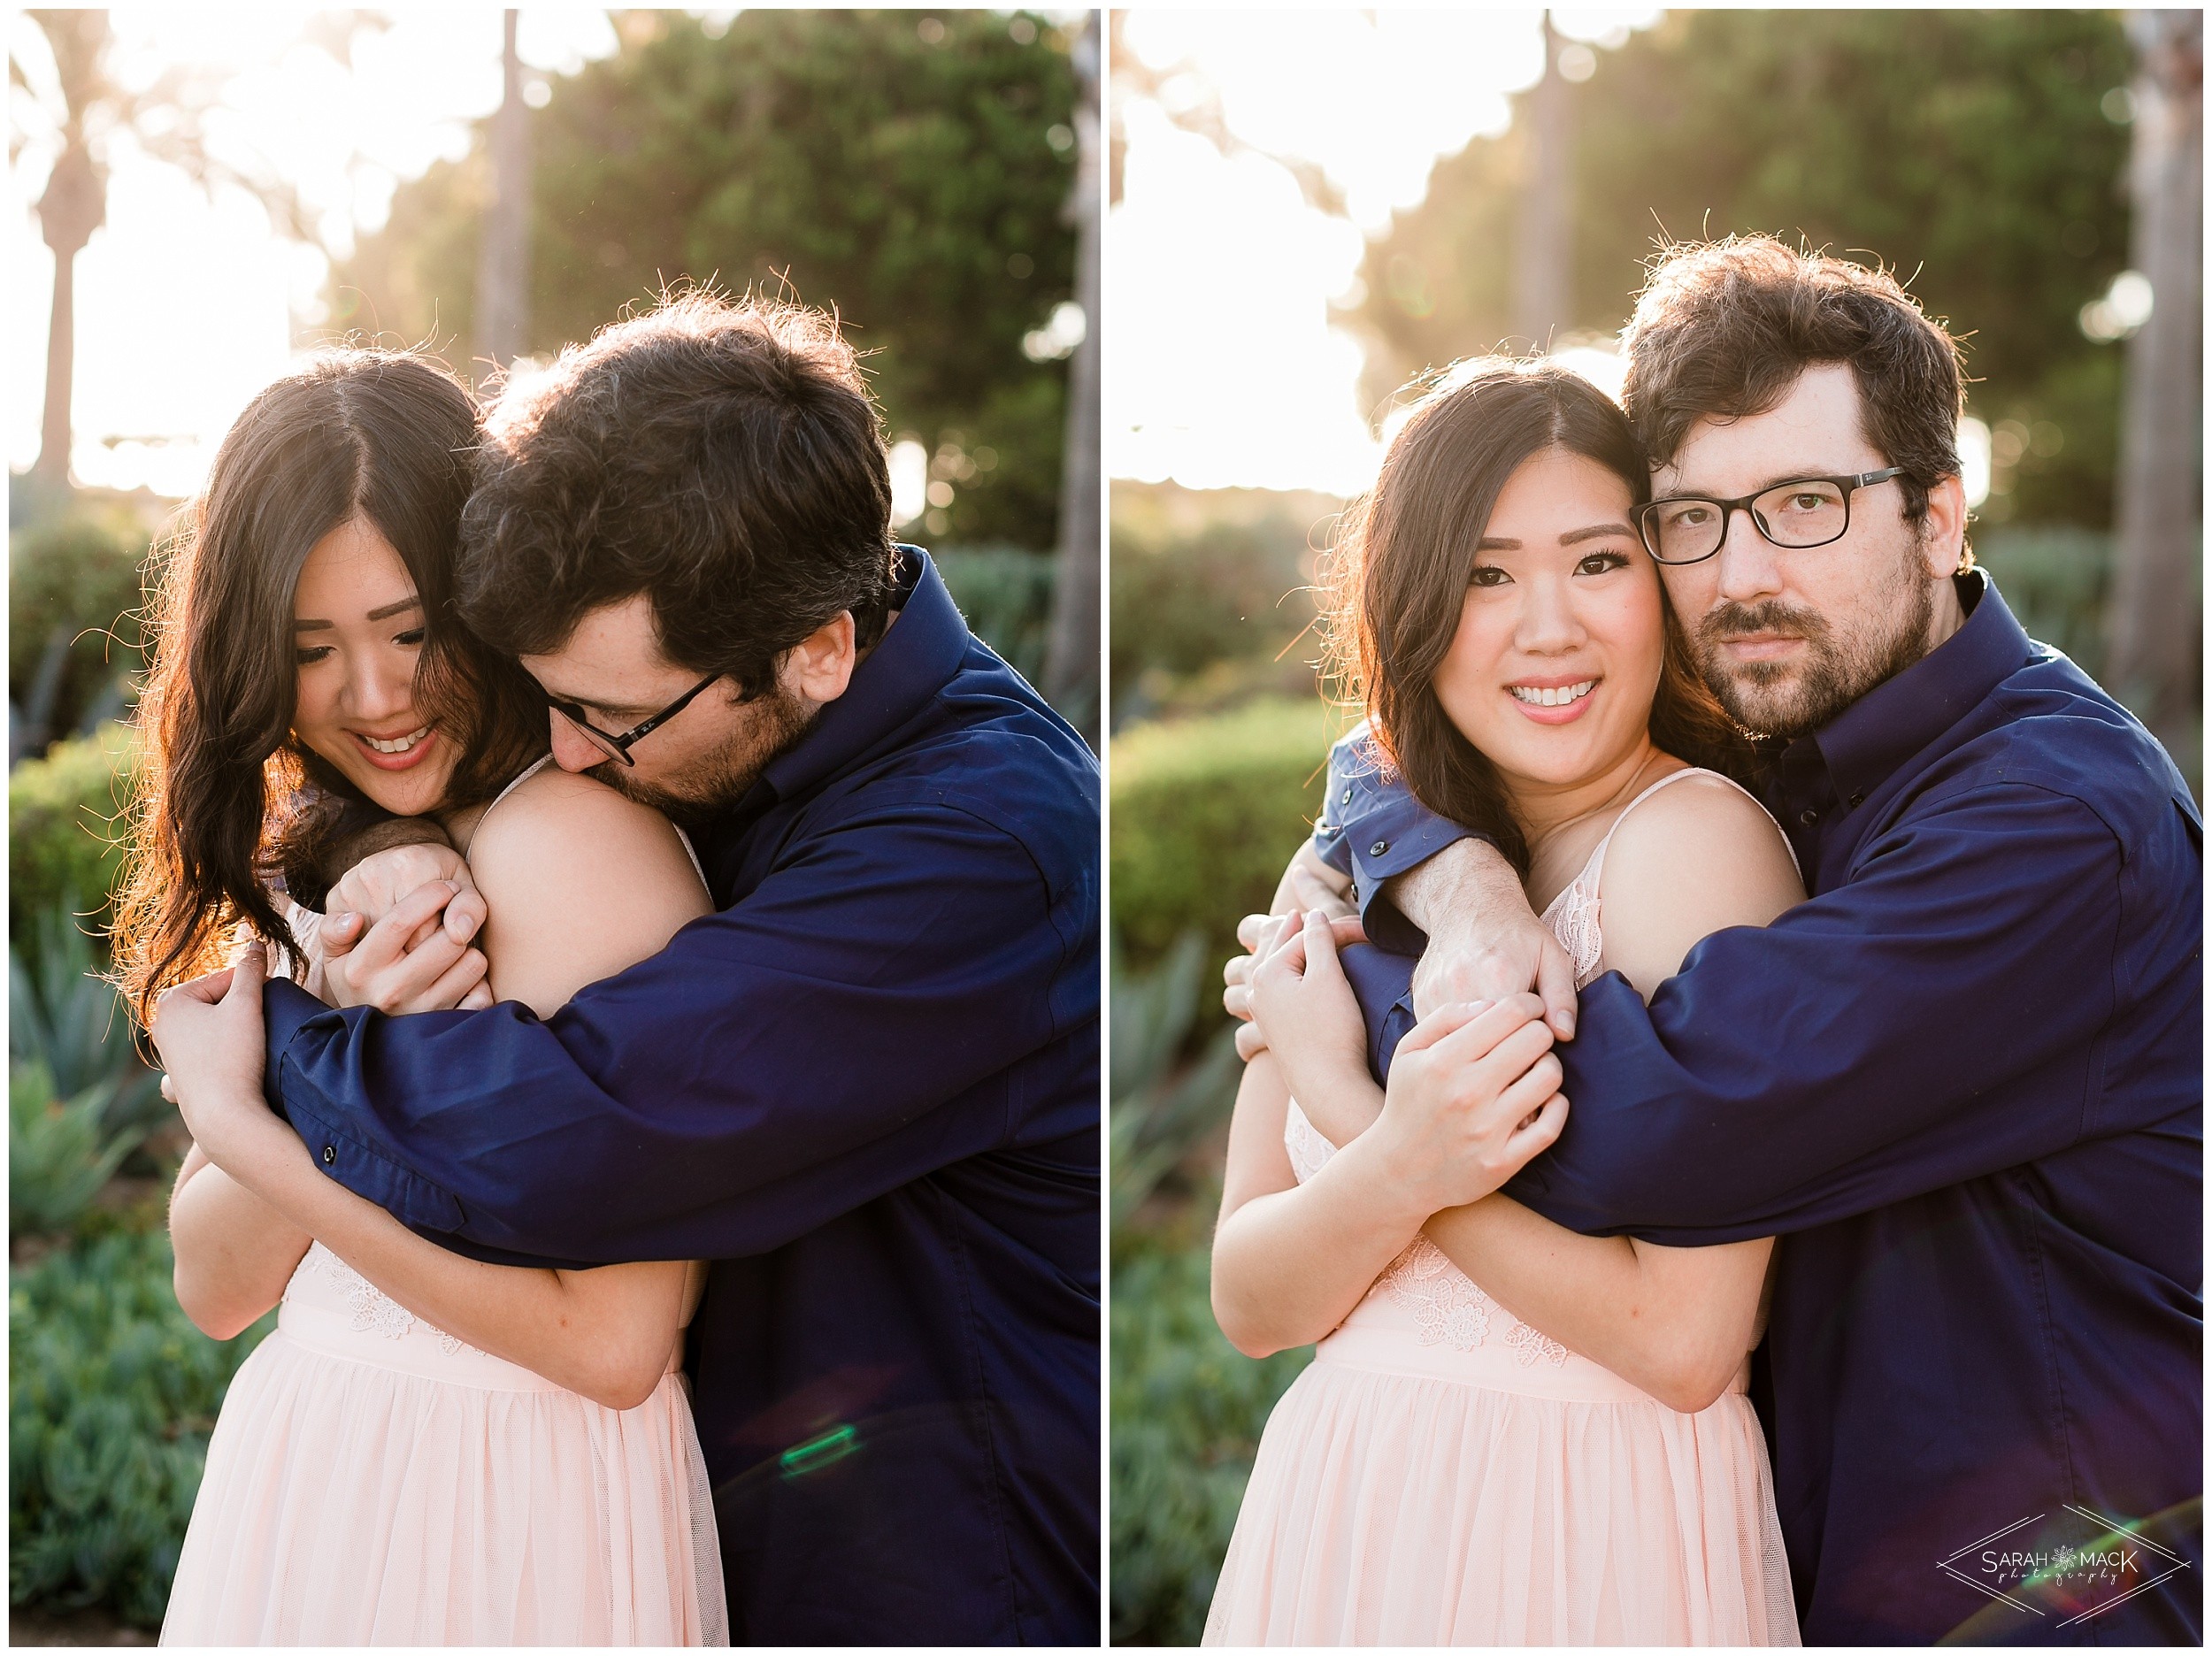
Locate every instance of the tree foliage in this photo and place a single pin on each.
(908, 169)
(1977, 153)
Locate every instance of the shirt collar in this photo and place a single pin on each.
(1866, 743)
(914, 660)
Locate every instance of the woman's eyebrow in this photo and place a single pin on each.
(384, 614)
(1499, 543)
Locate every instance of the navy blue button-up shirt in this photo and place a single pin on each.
(1963, 1082)
(867, 1089)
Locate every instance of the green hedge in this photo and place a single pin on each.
(1006, 595)
(64, 820)
(112, 1395)
(1185, 1409)
(73, 603)
(1206, 811)
(2054, 580)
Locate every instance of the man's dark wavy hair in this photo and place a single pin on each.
(723, 458)
(1723, 329)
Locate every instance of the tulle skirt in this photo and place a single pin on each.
(374, 1482)
(1412, 1495)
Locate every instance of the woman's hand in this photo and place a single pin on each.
(1473, 1096)
(417, 958)
(372, 887)
(1303, 1007)
(211, 1038)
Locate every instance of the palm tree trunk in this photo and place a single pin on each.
(503, 271)
(68, 212)
(1072, 651)
(52, 466)
(1542, 252)
(2156, 625)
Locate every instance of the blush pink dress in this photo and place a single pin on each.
(1443, 1474)
(372, 1480)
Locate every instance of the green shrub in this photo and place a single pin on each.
(1185, 1409)
(65, 824)
(1201, 578)
(1006, 594)
(73, 598)
(1206, 812)
(69, 1021)
(2054, 580)
(1163, 1109)
(112, 1395)
(60, 1151)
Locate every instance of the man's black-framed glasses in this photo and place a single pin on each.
(619, 748)
(1807, 512)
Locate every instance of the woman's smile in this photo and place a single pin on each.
(1554, 701)
(397, 753)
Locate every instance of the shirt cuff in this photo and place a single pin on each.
(286, 1009)
(289, 1012)
(1371, 827)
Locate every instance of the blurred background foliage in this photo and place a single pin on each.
(1976, 153)
(1984, 155)
(910, 170)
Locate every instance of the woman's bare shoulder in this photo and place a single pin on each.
(581, 882)
(557, 819)
(1696, 857)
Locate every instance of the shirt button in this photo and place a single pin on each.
(1378, 847)
(1809, 816)
(330, 1155)
(1857, 799)
(1346, 797)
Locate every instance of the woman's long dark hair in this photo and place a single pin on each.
(1398, 581)
(226, 798)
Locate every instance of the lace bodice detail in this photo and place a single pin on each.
(374, 1312)
(1572, 916)
(1448, 1307)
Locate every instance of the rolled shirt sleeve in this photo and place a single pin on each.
(1371, 827)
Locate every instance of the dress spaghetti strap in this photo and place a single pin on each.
(1594, 869)
(544, 761)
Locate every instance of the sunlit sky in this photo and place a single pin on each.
(186, 306)
(1225, 368)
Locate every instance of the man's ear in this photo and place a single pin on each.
(1943, 527)
(819, 666)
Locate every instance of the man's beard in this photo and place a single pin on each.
(718, 780)
(1789, 699)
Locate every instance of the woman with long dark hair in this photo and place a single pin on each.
(1510, 1434)
(427, 1450)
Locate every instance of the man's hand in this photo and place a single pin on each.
(1485, 942)
(1309, 887)
(415, 959)
(209, 1035)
